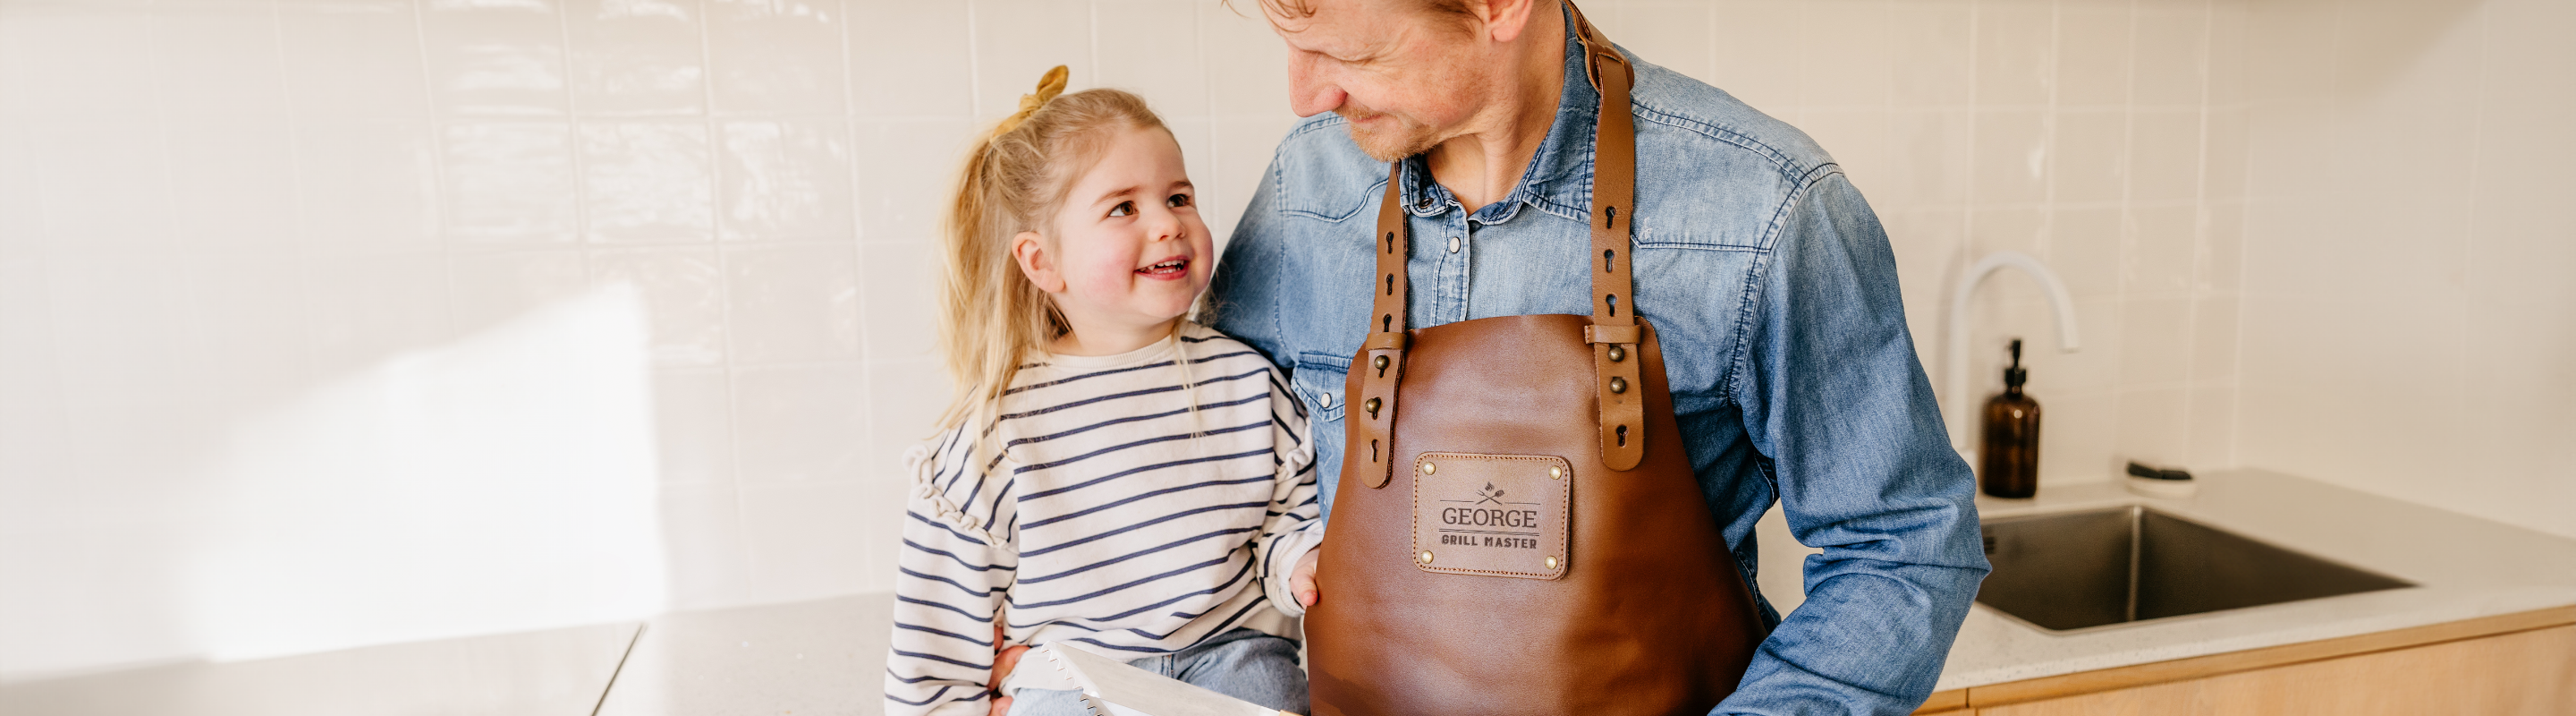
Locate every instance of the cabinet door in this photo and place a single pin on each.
(2530, 672)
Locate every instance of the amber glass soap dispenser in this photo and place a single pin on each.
(2009, 464)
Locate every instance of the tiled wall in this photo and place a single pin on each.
(2410, 319)
(2105, 138)
(211, 208)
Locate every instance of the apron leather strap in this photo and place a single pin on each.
(1615, 332)
(1371, 414)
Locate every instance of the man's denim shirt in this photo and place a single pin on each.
(1773, 290)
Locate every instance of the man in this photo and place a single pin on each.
(1771, 285)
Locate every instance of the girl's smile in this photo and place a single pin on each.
(1171, 269)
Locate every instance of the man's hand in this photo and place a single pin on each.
(1003, 659)
(1301, 581)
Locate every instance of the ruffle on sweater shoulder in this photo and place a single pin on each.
(932, 502)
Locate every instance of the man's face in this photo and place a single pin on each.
(1407, 78)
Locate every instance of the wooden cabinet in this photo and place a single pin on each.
(2511, 664)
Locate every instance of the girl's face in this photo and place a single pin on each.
(1129, 253)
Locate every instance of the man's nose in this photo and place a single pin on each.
(1310, 92)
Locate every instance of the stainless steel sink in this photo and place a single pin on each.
(2085, 570)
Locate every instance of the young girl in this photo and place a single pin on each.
(1113, 477)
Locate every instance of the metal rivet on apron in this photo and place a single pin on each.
(1617, 385)
(1453, 244)
(1618, 354)
(1378, 362)
(1426, 556)
(1428, 468)
(1371, 405)
(1551, 562)
(1556, 473)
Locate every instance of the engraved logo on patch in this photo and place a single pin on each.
(1495, 515)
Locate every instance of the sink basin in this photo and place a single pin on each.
(2107, 568)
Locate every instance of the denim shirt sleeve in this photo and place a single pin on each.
(1243, 296)
(1832, 394)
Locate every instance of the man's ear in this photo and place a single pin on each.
(1505, 20)
(1029, 249)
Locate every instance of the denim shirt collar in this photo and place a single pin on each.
(1559, 177)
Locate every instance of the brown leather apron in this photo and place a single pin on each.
(1518, 529)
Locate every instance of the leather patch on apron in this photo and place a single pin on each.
(1494, 515)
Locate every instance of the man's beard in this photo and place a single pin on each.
(1405, 140)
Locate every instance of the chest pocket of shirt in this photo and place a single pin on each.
(1313, 182)
(1318, 381)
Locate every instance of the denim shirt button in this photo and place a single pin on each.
(1453, 244)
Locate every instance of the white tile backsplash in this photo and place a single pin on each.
(2012, 156)
(931, 44)
(1859, 72)
(1137, 55)
(367, 308)
(353, 57)
(784, 179)
(647, 181)
(218, 57)
(111, 42)
(2165, 155)
(777, 56)
(2093, 54)
(232, 182)
(509, 182)
(495, 287)
(636, 57)
(495, 58)
(367, 184)
(906, 167)
(683, 289)
(232, 203)
(693, 423)
(106, 185)
(804, 424)
(901, 288)
(793, 303)
(790, 529)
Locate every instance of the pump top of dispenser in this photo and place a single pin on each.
(2016, 375)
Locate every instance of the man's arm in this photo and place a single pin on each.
(1835, 399)
(1241, 296)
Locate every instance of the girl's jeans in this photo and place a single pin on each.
(1242, 663)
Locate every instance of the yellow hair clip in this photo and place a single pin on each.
(1049, 86)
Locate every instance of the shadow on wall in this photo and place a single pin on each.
(2373, 45)
(2408, 325)
(502, 482)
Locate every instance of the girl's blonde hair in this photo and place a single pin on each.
(1014, 181)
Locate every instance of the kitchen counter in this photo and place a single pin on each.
(2464, 568)
(556, 672)
(827, 657)
(820, 657)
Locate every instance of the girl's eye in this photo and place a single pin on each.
(1124, 208)
(1177, 201)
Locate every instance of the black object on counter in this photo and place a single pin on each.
(2152, 473)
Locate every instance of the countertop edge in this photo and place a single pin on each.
(2262, 658)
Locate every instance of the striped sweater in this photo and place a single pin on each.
(1114, 516)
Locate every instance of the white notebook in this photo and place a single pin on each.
(1112, 688)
